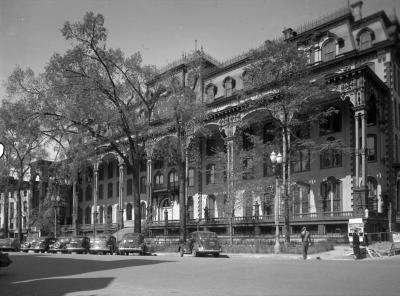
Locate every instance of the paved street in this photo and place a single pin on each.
(169, 274)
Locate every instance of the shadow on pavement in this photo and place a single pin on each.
(55, 287)
(37, 267)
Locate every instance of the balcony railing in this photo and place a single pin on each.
(323, 216)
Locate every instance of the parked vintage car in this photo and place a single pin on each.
(59, 245)
(41, 244)
(201, 242)
(78, 244)
(102, 244)
(132, 243)
(9, 244)
(26, 244)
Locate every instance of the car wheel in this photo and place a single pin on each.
(194, 252)
(216, 254)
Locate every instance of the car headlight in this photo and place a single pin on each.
(201, 248)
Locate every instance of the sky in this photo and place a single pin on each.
(162, 30)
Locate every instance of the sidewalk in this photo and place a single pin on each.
(340, 252)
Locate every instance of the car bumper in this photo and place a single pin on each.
(99, 249)
(76, 250)
(133, 250)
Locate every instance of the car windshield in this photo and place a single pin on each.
(207, 235)
(99, 238)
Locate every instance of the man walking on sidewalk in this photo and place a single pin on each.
(306, 240)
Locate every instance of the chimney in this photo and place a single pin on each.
(287, 33)
(356, 10)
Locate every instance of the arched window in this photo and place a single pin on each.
(190, 208)
(80, 215)
(110, 170)
(210, 174)
(109, 214)
(211, 206)
(158, 180)
(364, 38)
(88, 215)
(173, 179)
(371, 111)
(372, 202)
(331, 195)
(328, 50)
(211, 91)
(229, 86)
(143, 211)
(128, 211)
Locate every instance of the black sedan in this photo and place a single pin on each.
(102, 244)
(132, 243)
(41, 244)
(201, 243)
(60, 245)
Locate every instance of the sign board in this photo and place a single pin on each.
(356, 223)
(396, 237)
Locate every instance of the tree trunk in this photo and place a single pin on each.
(19, 208)
(285, 176)
(136, 198)
(182, 200)
(231, 230)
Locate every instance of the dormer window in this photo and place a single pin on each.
(328, 50)
(365, 38)
(211, 91)
(229, 86)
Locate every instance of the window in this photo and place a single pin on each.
(210, 203)
(110, 190)
(331, 195)
(101, 191)
(300, 160)
(80, 194)
(371, 111)
(211, 147)
(372, 202)
(311, 57)
(301, 200)
(248, 205)
(371, 148)
(191, 177)
(332, 122)
(101, 173)
(268, 203)
(142, 184)
(110, 170)
(158, 164)
(248, 169)
(248, 141)
(129, 188)
(158, 179)
(210, 174)
(143, 165)
(143, 210)
(25, 206)
(88, 215)
(269, 132)
(101, 215)
(365, 40)
(211, 91)
(328, 50)
(229, 86)
(330, 158)
(80, 214)
(190, 208)
(128, 211)
(117, 189)
(88, 192)
(129, 170)
(173, 179)
(109, 214)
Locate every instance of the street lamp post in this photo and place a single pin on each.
(276, 160)
(56, 200)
